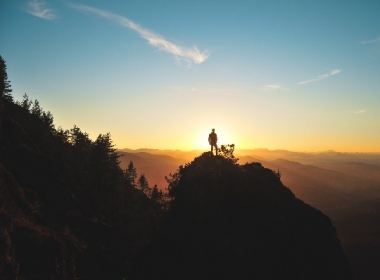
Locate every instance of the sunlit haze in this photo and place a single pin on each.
(294, 75)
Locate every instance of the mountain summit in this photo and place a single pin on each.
(231, 221)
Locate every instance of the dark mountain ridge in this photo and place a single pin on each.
(230, 221)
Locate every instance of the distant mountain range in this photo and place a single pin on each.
(345, 186)
(326, 180)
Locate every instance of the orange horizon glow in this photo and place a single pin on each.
(249, 148)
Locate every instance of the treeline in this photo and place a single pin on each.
(71, 188)
(91, 168)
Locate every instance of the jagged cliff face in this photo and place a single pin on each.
(228, 221)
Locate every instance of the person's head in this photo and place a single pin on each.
(213, 130)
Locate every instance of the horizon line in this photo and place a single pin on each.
(252, 149)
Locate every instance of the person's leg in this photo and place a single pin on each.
(216, 149)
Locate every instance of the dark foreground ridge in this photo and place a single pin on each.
(230, 221)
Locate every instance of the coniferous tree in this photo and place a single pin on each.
(155, 193)
(36, 109)
(106, 175)
(142, 184)
(47, 120)
(157, 197)
(5, 85)
(131, 174)
(78, 155)
(81, 149)
(26, 103)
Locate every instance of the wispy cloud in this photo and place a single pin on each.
(371, 41)
(333, 72)
(359, 111)
(38, 9)
(188, 54)
(273, 87)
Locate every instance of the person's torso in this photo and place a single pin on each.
(212, 136)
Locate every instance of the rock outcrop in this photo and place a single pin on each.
(230, 221)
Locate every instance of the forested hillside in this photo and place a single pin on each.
(68, 211)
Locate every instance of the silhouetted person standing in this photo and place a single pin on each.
(212, 139)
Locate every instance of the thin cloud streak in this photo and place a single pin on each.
(37, 8)
(189, 54)
(360, 111)
(273, 87)
(333, 72)
(372, 41)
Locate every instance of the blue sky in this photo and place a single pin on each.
(297, 75)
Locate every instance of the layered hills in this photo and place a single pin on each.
(326, 181)
(345, 186)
